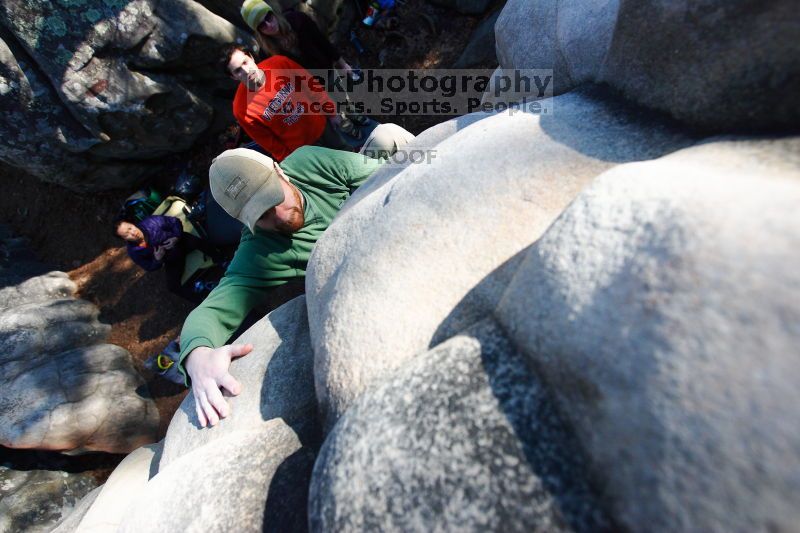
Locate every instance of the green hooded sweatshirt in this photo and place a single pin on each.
(326, 178)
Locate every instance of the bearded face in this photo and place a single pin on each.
(293, 219)
(287, 217)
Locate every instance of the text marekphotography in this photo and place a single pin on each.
(417, 92)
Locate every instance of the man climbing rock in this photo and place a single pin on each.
(285, 208)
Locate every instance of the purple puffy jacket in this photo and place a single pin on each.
(156, 230)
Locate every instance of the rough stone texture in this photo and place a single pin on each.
(716, 64)
(79, 400)
(663, 311)
(463, 438)
(570, 38)
(39, 329)
(468, 7)
(96, 93)
(243, 481)
(277, 380)
(35, 500)
(713, 64)
(389, 277)
(70, 522)
(480, 48)
(50, 286)
(107, 509)
(34, 119)
(60, 388)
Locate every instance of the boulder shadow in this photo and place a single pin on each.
(552, 450)
(647, 134)
(287, 392)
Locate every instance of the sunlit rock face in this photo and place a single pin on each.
(433, 232)
(584, 320)
(95, 94)
(662, 310)
(648, 318)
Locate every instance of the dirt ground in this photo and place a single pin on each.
(72, 232)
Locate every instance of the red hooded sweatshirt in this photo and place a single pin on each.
(284, 114)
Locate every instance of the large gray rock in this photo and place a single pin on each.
(462, 438)
(60, 387)
(105, 510)
(250, 472)
(243, 481)
(663, 310)
(480, 47)
(713, 64)
(69, 523)
(35, 500)
(277, 380)
(79, 400)
(95, 94)
(569, 38)
(36, 330)
(50, 286)
(389, 277)
(37, 129)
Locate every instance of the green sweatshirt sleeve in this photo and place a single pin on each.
(255, 269)
(213, 321)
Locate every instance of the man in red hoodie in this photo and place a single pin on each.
(280, 106)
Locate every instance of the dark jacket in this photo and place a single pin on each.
(156, 229)
(316, 51)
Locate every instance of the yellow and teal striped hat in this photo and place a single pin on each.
(254, 11)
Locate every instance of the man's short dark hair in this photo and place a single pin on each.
(225, 56)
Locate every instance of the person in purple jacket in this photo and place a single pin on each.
(160, 241)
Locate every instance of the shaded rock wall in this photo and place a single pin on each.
(63, 389)
(96, 94)
(720, 66)
(35, 500)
